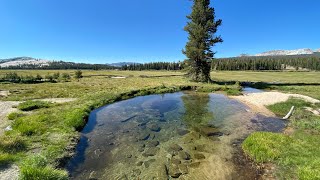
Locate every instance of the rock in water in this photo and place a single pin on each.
(154, 127)
(182, 132)
(184, 155)
(149, 162)
(151, 151)
(144, 136)
(153, 143)
(175, 147)
(194, 165)
(199, 156)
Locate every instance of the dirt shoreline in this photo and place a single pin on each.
(258, 101)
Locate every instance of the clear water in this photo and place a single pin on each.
(186, 135)
(247, 90)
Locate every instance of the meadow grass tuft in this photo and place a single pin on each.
(32, 105)
(15, 115)
(37, 168)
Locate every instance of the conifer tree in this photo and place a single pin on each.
(201, 27)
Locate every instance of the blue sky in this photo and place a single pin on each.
(104, 31)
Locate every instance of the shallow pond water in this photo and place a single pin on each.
(247, 90)
(184, 135)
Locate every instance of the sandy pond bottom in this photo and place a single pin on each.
(183, 135)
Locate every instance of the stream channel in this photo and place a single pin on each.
(183, 135)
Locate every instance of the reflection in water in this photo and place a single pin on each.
(181, 135)
(196, 109)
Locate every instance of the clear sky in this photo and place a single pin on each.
(104, 31)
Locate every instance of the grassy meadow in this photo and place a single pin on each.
(44, 135)
(306, 83)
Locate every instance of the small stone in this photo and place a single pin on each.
(175, 161)
(194, 165)
(129, 156)
(182, 132)
(139, 163)
(175, 147)
(154, 127)
(111, 144)
(151, 151)
(153, 143)
(201, 148)
(149, 162)
(184, 155)
(199, 156)
(144, 136)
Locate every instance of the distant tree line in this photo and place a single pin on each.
(29, 79)
(153, 66)
(251, 63)
(56, 65)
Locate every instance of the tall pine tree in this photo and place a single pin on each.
(201, 27)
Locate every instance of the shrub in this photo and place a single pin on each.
(66, 76)
(32, 105)
(78, 74)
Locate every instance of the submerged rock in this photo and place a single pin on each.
(144, 136)
(194, 165)
(175, 147)
(199, 156)
(153, 143)
(184, 155)
(154, 127)
(139, 163)
(182, 132)
(148, 163)
(175, 161)
(151, 151)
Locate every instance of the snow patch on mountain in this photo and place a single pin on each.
(286, 52)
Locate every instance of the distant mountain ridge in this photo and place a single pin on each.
(304, 51)
(23, 61)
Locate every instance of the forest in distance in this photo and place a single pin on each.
(246, 63)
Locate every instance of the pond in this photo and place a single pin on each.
(184, 135)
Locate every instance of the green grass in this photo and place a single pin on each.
(37, 168)
(281, 109)
(15, 115)
(307, 80)
(32, 105)
(269, 76)
(297, 154)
